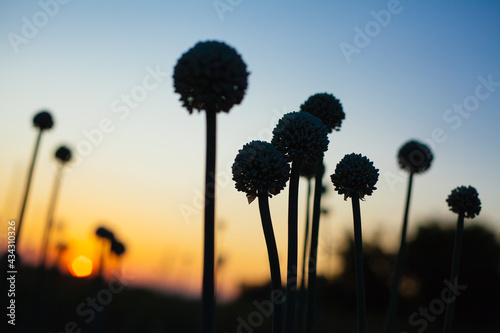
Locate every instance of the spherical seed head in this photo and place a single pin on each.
(210, 76)
(415, 157)
(300, 135)
(117, 247)
(43, 120)
(355, 176)
(327, 108)
(103, 232)
(260, 168)
(464, 200)
(63, 154)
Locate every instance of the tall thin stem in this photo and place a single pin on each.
(50, 215)
(28, 183)
(208, 292)
(455, 265)
(360, 275)
(313, 252)
(274, 264)
(394, 298)
(306, 235)
(291, 283)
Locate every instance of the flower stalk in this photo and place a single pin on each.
(394, 298)
(274, 265)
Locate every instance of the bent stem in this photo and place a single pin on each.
(313, 252)
(274, 264)
(291, 283)
(360, 275)
(28, 183)
(394, 298)
(208, 291)
(455, 265)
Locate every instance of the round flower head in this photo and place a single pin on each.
(260, 168)
(300, 135)
(117, 247)
(415, 157)
(210, 76)
(464, 200)
(103, 232)
(63, 154)
(43, 120)
(355, 176)
(327, 108)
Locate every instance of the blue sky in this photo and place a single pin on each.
(148, 166)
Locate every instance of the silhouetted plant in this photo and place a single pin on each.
(302, 138)
(210, 76)
(330, 111)
(43, 121)
(106, 237)
(260, 170)
(63, 156)
(414, 157)
(354, 177)
(465, 202)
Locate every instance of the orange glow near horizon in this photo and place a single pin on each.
(81, 266)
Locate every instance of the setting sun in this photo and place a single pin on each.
(81, 266)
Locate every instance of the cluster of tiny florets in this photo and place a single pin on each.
(210, 76)
(355, 176)
(260, 168)
(300, 135)
(415, 157)
(327, 108)
(464, 200)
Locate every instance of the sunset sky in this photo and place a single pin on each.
(427, 70)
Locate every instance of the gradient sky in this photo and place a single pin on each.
(403, 77)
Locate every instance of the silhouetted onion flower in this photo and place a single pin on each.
(43, 121)
(107, 237)
(117, 247)
(211, 76)
(415, 157)
(103, 232)
(327, 108)
(330, 111)
(354, 177)
(463, 200)
(302, 138)
(260, 170)
(63, 156)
